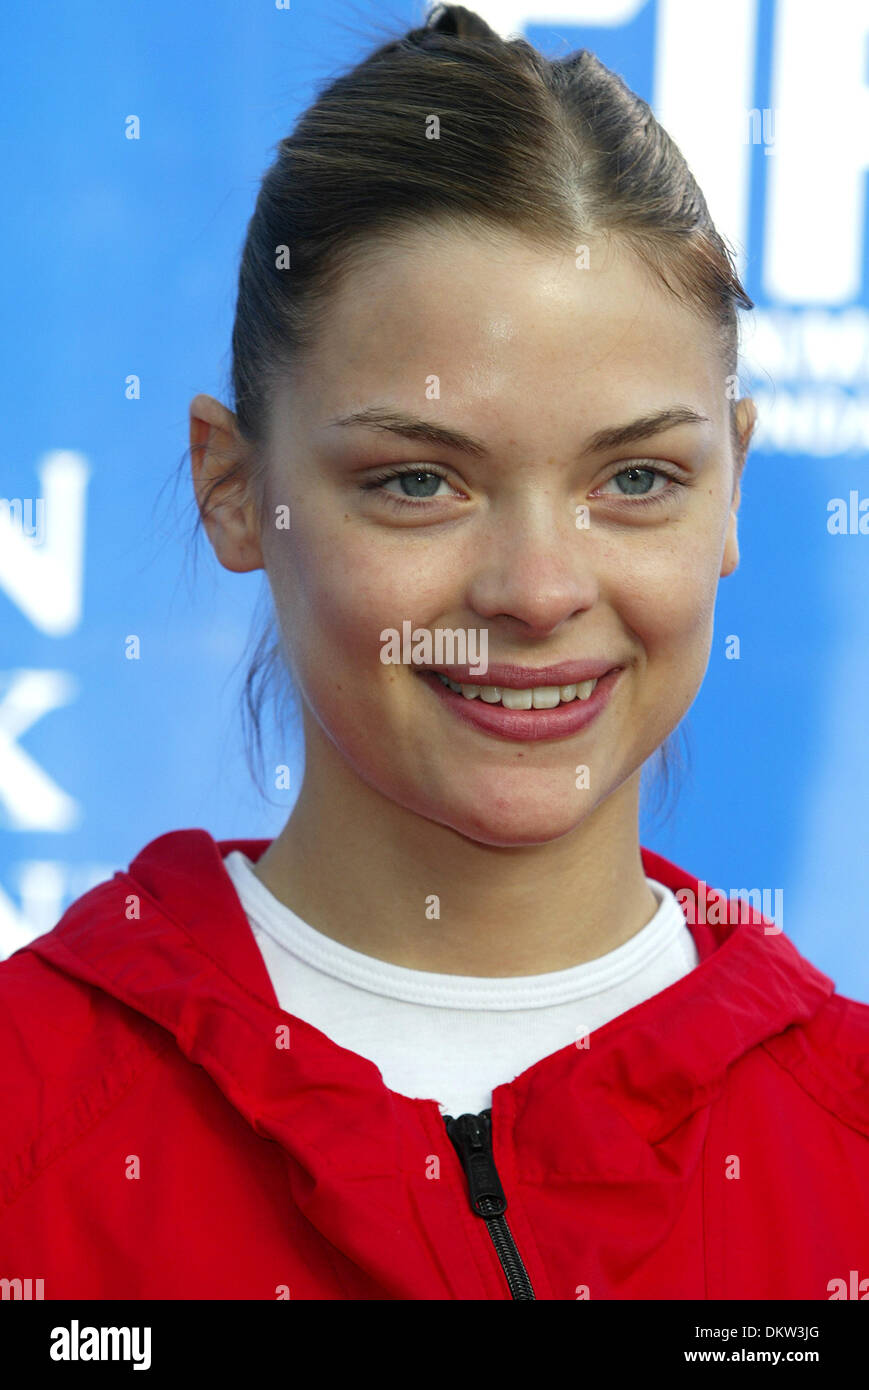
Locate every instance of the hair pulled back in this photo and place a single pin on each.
(558, 150)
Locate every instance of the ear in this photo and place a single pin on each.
(746, 419)
(227, 508)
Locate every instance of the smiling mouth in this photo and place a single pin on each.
(536, 697)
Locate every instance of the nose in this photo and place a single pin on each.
(534, 566)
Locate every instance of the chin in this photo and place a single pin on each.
(512, 827)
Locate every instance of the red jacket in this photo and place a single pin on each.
(160, 1139)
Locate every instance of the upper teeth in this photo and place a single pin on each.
(540, 697)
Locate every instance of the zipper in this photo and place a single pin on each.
(471, 1137)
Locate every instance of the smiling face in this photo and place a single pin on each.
(531, 357)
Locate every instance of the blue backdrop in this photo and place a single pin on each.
(134, 145)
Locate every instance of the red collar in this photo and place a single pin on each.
(190, 963)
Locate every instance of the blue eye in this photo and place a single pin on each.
(639, 483)
(421, 485)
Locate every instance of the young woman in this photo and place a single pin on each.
(452, 1033)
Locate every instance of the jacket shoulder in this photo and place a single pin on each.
(69, 1052)
(829, 1057)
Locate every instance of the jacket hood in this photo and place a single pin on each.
(190, 963)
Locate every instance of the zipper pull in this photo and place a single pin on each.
(471, 1137)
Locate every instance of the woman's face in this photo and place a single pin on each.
(532, 356)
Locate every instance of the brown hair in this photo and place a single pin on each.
(556, 150)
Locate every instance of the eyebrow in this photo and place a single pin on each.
(430, 432)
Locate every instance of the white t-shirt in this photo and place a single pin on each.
(453, 1038)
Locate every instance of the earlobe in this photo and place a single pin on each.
(730, 557)
(746, 419)
(232, 530)
(220, 468)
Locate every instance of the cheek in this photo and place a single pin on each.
(664, 596)
(665, 587)
(335, 591)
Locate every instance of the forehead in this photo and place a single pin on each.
(509, 329)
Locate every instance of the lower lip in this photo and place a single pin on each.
(525, 726)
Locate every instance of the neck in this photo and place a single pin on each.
(374, 876)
